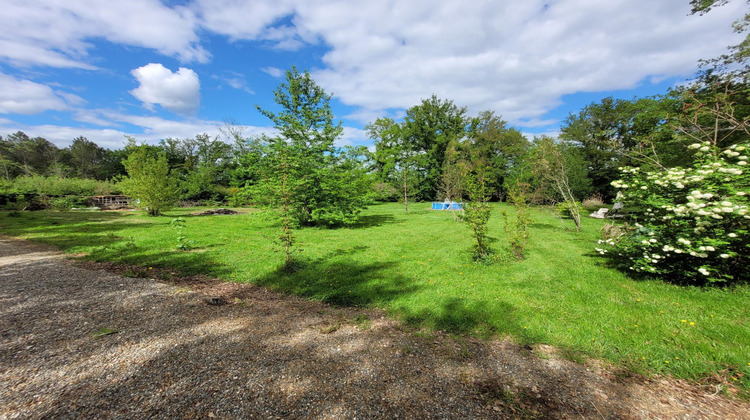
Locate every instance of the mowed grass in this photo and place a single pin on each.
(419, 268)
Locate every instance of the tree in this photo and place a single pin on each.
(497, 146)
(550, 165)
(615, 133)
(319, 179)
(85, 157)
(149, 180)
(428, 129)
(394, 162)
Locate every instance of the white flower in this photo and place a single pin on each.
(703, 271)
(724, 255)
(704, 149)
(732, 235)
(683, 241)
(652, 240)
(694, 146)
(726, 204)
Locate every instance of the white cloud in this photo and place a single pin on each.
(353, 137)
(518, 58)
(58, 33)
(234, 80)
(19, 96)
(273, 71)
(250, 20)
(178, 92)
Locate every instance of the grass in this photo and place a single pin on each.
(419, 268)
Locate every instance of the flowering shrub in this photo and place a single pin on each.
(691, 224)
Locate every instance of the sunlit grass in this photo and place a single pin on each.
(419, 268)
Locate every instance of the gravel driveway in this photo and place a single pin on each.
(175, 354)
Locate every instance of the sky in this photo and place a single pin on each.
(155, 69)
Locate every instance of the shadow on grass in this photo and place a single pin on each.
(373, 220)
(457, 316)
(99, 234)
(340, 283)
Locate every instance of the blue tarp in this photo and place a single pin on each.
(448, 206)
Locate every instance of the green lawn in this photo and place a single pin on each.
(419, 268)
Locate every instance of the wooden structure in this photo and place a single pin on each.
(112, 202)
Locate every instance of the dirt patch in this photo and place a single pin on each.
(265, 355)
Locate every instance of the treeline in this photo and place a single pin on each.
(426, 156)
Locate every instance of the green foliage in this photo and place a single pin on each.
(427, 131)
(517, 228)
(57, 187)
(327, 187)
(692, 223)
(183, 243)
(477, 212)
(67, 203)
(551, 167)
(149, 181)
(610, 134)
(495, 146)
(202, 164)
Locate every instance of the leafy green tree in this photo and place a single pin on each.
(615, 133)
(427, 131)
(394, 161)
(85, 157)
(320, 176)
(497, 146)
(149, 180)
(33, 156)
(477, 212)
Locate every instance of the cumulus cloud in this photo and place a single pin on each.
(58, 33)
(518, 58)
(251, 20)
(19, 96)
(178, 92)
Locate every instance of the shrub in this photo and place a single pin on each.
(691, 225)
(593, 203)
(67, 202)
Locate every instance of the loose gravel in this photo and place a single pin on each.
(78, 343)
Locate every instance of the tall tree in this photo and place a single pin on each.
(394, 160)
(85, 157)
(317, 178)
(428, 129)
(497, 147)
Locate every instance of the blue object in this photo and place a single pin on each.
(447, 206)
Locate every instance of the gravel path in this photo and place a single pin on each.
(262, 355)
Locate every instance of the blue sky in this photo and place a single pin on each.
(150, 69)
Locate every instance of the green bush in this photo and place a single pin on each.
(54, 186)
(563, 209)
(68, 202)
